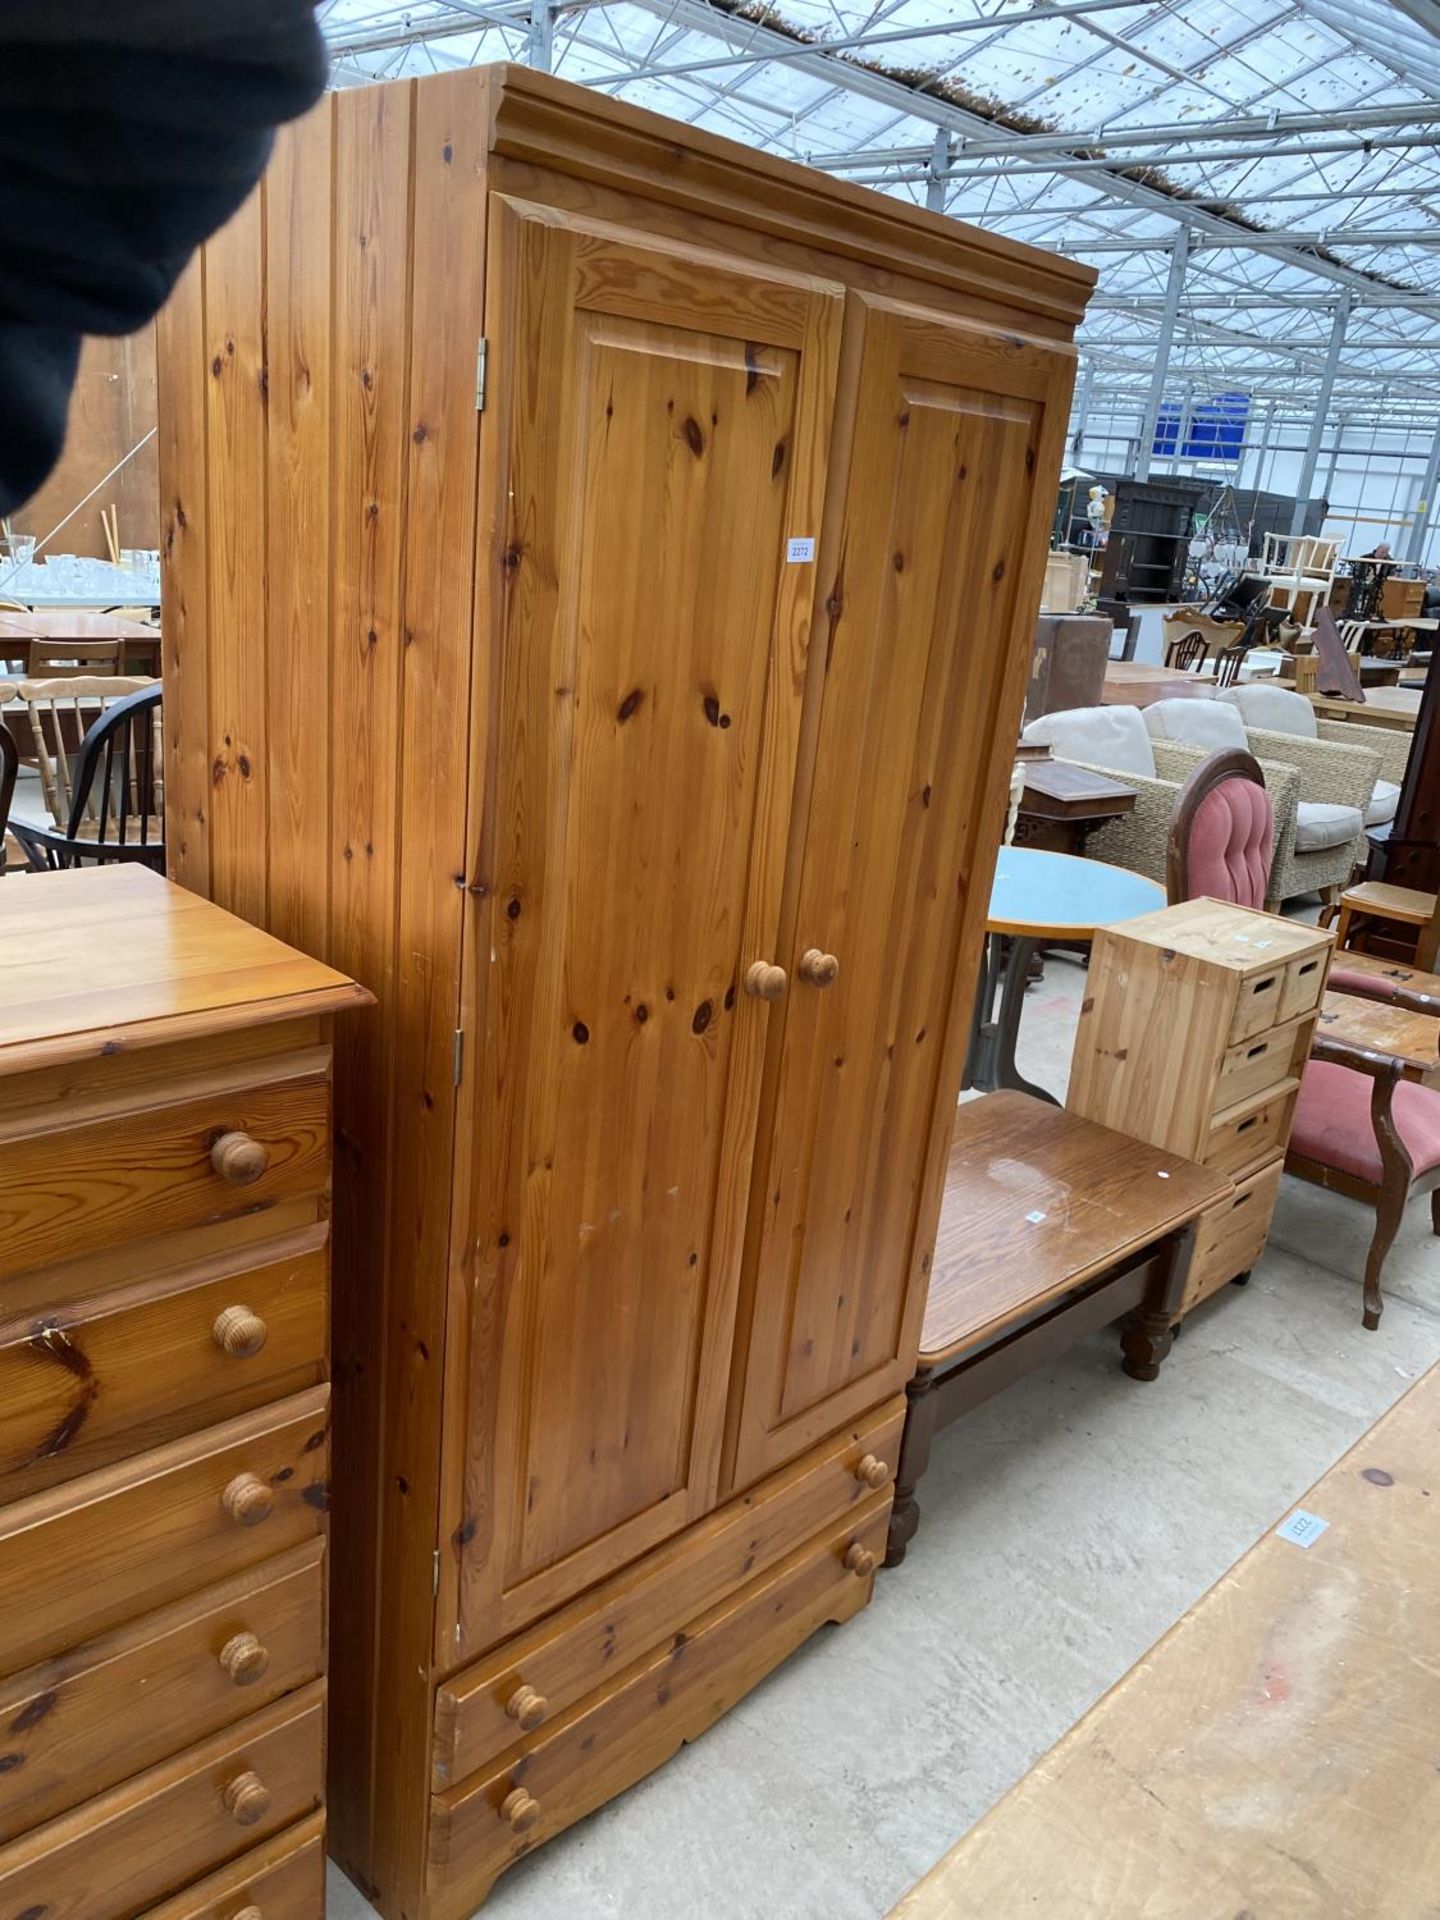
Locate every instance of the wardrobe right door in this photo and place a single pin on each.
(931, 580)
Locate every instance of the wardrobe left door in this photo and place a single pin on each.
(653, 456)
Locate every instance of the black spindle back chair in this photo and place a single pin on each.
(117, 802)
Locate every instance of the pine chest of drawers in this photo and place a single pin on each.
(164, 1276)
(1194, 1032)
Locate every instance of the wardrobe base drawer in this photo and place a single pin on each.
(645, 1715)
(130, 1848)
(485, 1709)
(282, 1880)
(98, 1714)
(1231, 1237)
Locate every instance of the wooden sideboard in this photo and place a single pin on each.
(601, 564)
(164, 1282)
(1194, 1032)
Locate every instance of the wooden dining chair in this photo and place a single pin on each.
(117, 790)
(1228, 663)
(73, 659)
(58, 714)
(1187, 654)
(1365, 1129)
(1222, 833)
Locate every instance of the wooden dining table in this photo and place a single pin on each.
(1128, 683)
(52, 629)
(1395, 707)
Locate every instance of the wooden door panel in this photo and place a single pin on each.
(935, 585)
(661, 437)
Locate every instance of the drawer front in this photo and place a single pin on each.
(85, 1558)
(1230, 1238)
(1254, 1131)
(95, 1381)
(72, 1191)
(1262, 1063)
(1257, 1003)
(1304, 984)
(134, 1846)
(87, 1720)
(646, 1713)
(284, 1879)
(486, 1709)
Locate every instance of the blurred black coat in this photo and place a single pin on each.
(129, 131)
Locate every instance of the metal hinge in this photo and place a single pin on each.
(435, 1581)
(459, 1053)
(482, 353)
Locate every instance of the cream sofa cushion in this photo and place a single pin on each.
(1109, 737)
(1195, 723)
(1318, 825)
(1383, 803)
(1274, 709)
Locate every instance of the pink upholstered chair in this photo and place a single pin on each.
(1364, 1130)
(1222, 833)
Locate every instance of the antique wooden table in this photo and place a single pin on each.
(1063, 804)
(1394, 707)
(1378, 1026)
(1040, 899)
(1275, 1755)
(1051, 1226)
(1131, 684)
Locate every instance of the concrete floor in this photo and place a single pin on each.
(1065, 1526)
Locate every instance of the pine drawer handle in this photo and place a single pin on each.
(250, 1913)
(247, 1500)
(520, 1809)
(859, 1560)
(872, 1473)
(239, 1159)
(244, 1658)
(527, 1708)
(239, 1332)
(247, 1799)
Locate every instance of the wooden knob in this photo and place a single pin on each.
(249, 1913)
(247, 1500)
(239, 1159)
(247, 1799)
(764, 982)
(239, 1332)
(244, 1658)
(521, 1809)
(820, 969)
(527, 1708)
(859, 1560)
(872, 1473)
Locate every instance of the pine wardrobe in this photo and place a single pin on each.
(600, 569)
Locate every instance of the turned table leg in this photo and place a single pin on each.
(922, 1405)
(1149, 1333)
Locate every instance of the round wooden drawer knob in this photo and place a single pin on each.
(244, 1658)
(527, 1708)
(859, 1560)
(247, 1799)
(239, 1159)
(872, 1473)
(249, 1913)
(520, 1809)
(820, 969)
(239, 1332)
(247, 1500)
(764, 982)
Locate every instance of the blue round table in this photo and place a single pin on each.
(1040, 899)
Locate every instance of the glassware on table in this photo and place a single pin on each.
(18, 549)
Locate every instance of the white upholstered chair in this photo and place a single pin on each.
(1301, 570)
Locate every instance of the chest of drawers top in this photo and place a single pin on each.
(111, 960)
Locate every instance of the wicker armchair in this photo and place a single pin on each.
(1140, 839)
